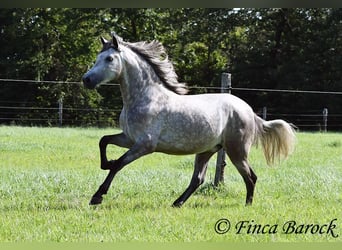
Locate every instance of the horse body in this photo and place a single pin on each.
(157, 117)
(196, 124)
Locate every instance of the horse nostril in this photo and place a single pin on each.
(86, 80)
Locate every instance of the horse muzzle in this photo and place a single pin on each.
(88, 82)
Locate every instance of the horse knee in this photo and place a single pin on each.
(103, 142)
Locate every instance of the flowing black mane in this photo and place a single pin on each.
(154, 53)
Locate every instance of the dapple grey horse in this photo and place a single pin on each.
(157, 116)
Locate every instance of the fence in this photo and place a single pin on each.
(53, 116)
(60, 113)
(57, 112)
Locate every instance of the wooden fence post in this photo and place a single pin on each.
(60, 111)
(226, 85)
(264, 113)
(325, 119)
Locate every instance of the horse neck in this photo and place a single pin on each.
(139, 82)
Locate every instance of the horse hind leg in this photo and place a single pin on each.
(238, 156)
(201, 164)
(249, 178)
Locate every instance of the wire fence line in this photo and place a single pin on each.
(190, 87)
(49, 82)
(57, 108)
(21, 112)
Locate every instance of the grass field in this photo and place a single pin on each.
(48, 176)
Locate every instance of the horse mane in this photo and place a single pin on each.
(154, 53)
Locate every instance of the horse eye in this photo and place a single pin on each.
(109, 59)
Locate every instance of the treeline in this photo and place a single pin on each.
(297, 49)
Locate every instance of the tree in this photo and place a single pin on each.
(262, 48)
(41, 44)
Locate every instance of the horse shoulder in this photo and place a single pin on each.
(141, 119)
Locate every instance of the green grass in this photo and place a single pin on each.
(48, 176)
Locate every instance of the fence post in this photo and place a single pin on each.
(264, 113)
(60, 111)
(325, 119)
(226, 85)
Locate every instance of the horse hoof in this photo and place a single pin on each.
(177, 204)
(95, 200)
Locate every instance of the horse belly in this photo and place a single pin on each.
(183, 147)
(189, 135)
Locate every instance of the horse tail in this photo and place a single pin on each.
(277, 138)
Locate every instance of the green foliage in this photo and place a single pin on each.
(262, 48)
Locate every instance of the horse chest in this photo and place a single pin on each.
(138, 120)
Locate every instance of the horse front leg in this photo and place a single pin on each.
(120, 140)
(141, 148)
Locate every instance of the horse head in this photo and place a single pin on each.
(108, 65)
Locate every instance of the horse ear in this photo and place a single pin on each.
(103, 40)
(115, 42)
